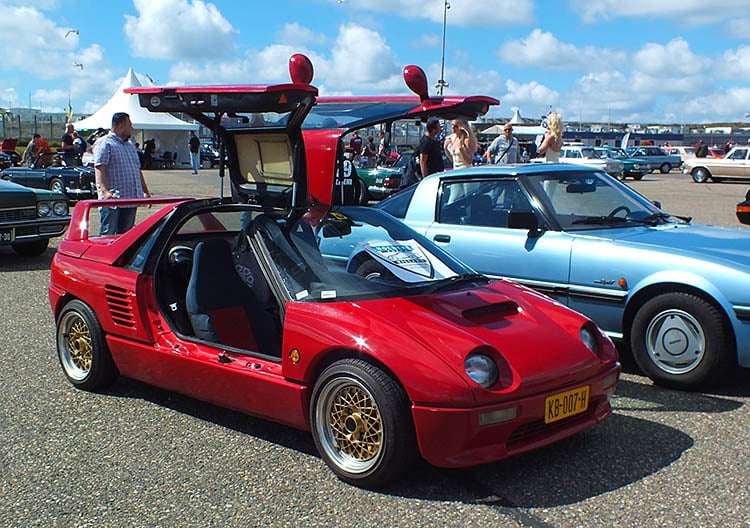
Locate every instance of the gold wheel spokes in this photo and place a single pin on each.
(355, 423)
(79, 344)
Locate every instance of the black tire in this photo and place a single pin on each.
(364, 194)
(638, 177)
(32, 248)
(361, 423)
(701, 175)
(621, 175)
(682, 341)
(81, 348)
(665, 168)
(57, 185)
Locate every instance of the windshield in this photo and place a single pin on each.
(357, 253)
(592, 200)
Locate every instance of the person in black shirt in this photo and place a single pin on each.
(69, 153)
(430, 152)
(427, 158)
(195, 148)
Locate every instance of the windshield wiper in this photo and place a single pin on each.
(456, 279)
(601, 220)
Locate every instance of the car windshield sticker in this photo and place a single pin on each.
(301, 295)
(407, 260)
(328, 294)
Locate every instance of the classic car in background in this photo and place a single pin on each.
(743, 210)
(735, 165)
(9, 148)
(681, 151)
(77, 182)
(5, 161)
(284, 309)
(382, 181)
(580, 155)
(656, 158)
(635, 168)
(677, 294)
(30, 217)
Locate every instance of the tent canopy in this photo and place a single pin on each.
(141, 118)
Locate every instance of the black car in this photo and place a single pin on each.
(30, 217)
(68, 177)
(5, 161)
(209, 157)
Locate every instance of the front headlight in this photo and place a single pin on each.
(43, 208)
(60, 208)
(482, 369)
(589, 339)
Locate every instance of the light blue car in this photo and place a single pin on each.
(677, 294)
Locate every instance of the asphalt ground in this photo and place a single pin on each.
(138, 456)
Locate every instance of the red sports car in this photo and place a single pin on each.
(340, 320)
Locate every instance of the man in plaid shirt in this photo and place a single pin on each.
(118, 175)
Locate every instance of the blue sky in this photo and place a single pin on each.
(665, 61)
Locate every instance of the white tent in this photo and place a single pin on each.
(170, 133)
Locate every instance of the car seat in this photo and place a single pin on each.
(222, 308)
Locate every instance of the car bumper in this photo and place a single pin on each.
(33, 230)
(81, 194)
(450, 437)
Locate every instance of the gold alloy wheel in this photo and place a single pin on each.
(74, 344)
(351, 425)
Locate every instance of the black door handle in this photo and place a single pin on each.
(442, 238)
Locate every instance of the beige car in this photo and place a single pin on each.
(735, 164)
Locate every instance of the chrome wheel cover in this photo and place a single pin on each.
(57, 186)
(675, 341)
(349, 423)
(74, 346)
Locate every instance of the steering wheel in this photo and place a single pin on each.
(179, 255)
(617, 210)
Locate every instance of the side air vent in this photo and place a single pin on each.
(120, 306)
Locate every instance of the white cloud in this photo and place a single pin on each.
(739, 28)
(541, 49)
(532, 98)
(680, 12)
(467, 13)
(735, 64)
(728, 105)
(295, 34)
(670, 68)
(179, 30)
(429, 40)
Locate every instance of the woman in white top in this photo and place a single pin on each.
(552, 143)
(460, 146)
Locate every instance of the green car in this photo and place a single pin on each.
(30, 217)
(381, 182)
(635, 168)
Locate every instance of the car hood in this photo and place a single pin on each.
(9, 144)
(538, 337)
(718, 243)
(14, 195)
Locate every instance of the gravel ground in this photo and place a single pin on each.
(139, 456)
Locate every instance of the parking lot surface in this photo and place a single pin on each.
(140, 456)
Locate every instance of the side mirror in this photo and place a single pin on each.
(525, 220)
(657, 203)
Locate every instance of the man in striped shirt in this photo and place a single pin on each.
(118, 175)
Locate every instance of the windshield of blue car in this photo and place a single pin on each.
(357, 253)
(591, 200)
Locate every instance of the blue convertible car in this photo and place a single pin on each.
(676, 293)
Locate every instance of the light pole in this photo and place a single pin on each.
(441, 82)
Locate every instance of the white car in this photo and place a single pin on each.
(581, 155)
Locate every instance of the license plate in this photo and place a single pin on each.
(6, 235)
(564, 404)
